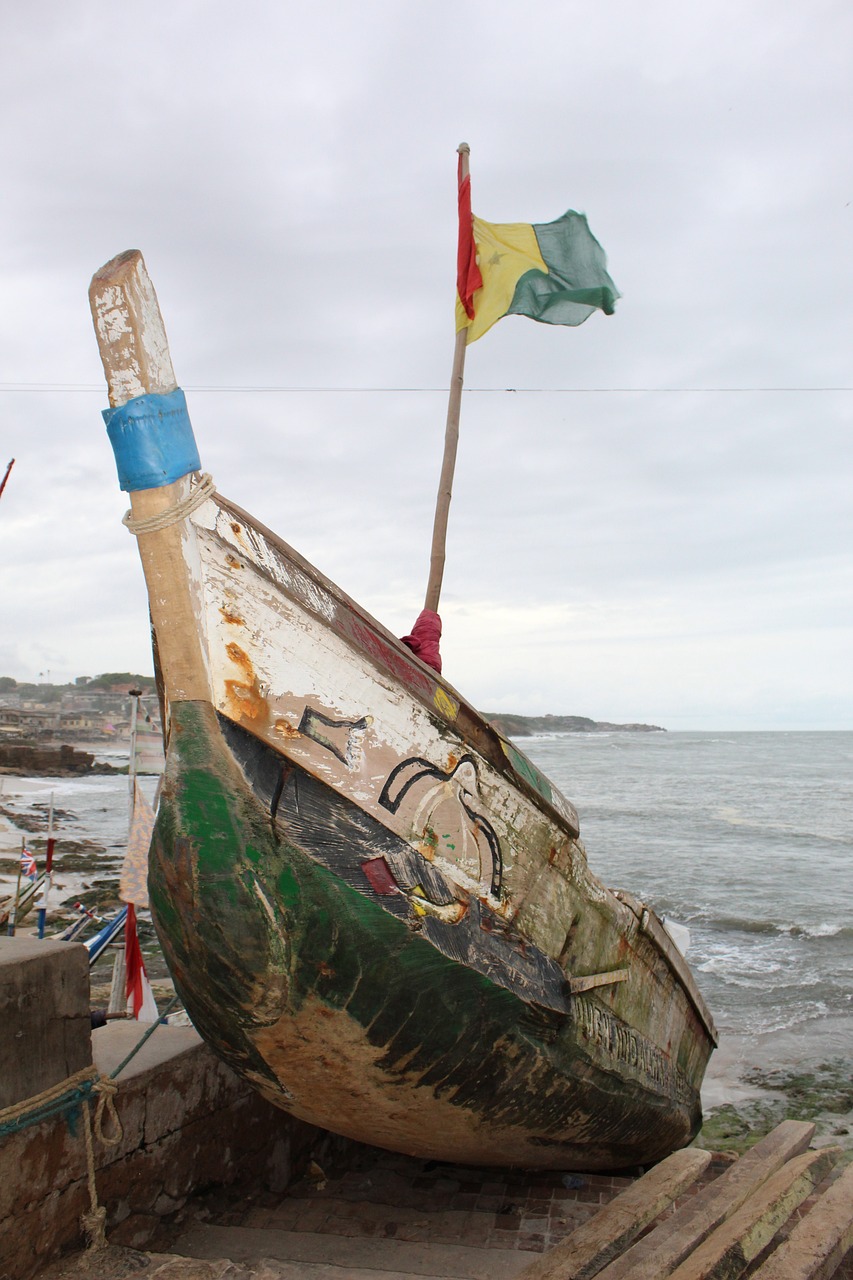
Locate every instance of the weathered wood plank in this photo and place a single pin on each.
(576, 985)
(816, 1246)
(130, 330)
(728, 1251)
(592, 1245)
(661, 1251)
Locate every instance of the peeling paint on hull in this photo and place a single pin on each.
(348, 1016)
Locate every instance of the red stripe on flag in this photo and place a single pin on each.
(468, 278)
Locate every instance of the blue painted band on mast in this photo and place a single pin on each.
(152, 439)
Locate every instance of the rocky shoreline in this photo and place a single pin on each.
(17, 759)
(823, 1096)
(85, 872)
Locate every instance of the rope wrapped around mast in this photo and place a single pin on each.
(203, 489)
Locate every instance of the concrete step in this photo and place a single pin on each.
(357, 1216)
(311, 1255)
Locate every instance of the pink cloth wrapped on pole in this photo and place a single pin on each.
(424, 639)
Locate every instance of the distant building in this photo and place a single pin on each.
(28, 722)
(81, 722)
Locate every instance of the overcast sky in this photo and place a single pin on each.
(651, 517)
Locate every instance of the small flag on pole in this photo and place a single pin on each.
(28, 864)
(554, 272)
(140, 998)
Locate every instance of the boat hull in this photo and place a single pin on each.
(341, 1006)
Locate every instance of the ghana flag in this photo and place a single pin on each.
(555, 272)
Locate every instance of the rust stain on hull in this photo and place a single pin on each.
(231, 616)
(245, 698)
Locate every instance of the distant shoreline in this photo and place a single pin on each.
(513, 726)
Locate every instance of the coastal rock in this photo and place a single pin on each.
(28, 760)
(513, 726)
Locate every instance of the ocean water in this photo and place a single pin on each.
(91, 811)
(746, 838)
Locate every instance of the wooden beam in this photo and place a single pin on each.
(817, 1245)
(730, 1249)
(596, 1242)
(577, 985)
(130, 331)
(661, 1251)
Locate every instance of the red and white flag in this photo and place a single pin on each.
(140, 998)
(28, 864)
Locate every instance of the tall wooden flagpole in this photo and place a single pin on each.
(451, 439)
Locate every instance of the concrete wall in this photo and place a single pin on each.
(44, 1015)
(187, 1123)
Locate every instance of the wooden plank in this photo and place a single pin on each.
(728, 1251)
(130, 330)
(661, 1251)
(817, 1245)
(591, 980)
(591, 1246)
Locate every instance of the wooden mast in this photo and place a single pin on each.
(451, 440)
(135, 355)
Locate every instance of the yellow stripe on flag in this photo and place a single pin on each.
(505, 251)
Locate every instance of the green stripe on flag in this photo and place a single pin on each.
(577, 282)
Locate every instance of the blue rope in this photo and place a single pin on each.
(71, 1100)
(154, 1025)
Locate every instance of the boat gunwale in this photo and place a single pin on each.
(474, 728)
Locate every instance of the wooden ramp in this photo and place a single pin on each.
(741, 1224)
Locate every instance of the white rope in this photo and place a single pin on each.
(60, 1096)
(203, 489)
(94, 1223)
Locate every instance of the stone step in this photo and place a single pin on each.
(273, 1252)
(354, 1217)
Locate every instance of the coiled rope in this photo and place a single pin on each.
(201, 490)
(69, 1095)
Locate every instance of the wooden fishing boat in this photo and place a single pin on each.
(374, 906)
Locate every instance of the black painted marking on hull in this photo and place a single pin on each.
(340, 836)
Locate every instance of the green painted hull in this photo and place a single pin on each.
(347, 1015)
